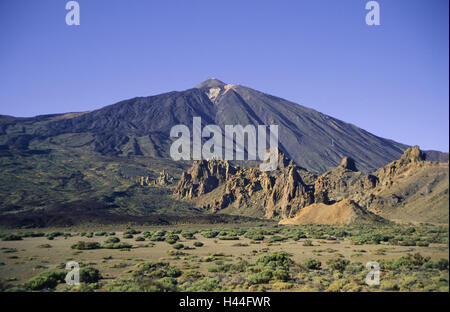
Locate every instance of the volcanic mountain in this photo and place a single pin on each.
(141, 126)
(100, 164)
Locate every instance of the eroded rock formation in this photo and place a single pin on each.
(285, 192)
(163, 179)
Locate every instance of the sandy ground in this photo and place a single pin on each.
(27, 259)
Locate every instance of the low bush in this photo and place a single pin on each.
(11, 237)
(263, 277)
(46, 280)
(89, 275)
(209, 234)
(112, 239)
(354, 267)
(131, 232)
(276, 259)
(117, 245)
(338, 264)
(88, 235)
(54, 234)
(157, 269)
(254, 235)
(167, 284)
(178, 246)
(172, 238)
(312, 264)
(204, 284)
(198, 244)
(86, 245)
(220, 268)
(188, 234)
(277, 238)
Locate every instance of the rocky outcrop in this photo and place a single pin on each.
(144, 181)
(348, 163)
(203, 177)
(164, 179)
(287, 191)
(288, 194)
(412, 158)
(281, 193)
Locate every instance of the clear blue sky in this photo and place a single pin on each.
(391, 80)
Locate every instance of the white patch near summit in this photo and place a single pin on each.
(213, 93)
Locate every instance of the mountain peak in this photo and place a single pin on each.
(211, 83)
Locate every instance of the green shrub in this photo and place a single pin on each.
(354, 267)
(281, 275)
(442, 264)
(160, 233)
(312, 264)
(131, 232)
(297, 236)
(100, 234)
(117, 246)
(86, 245)
(240, 266)
(276, 259)
(338, 264)
(156, 238)
(157, 269)
(46, 280)
(112, 239)
(261, 277)
(127, 236)
(89, 275)
(167, 284)
(31, 234)
(254, 235)
(11, 237)
(277, 238)
(409, 261)
(188, 234)
(220, 268)
(139, 239)
(204, 284)
(172, 238)
(228, 236)
(198, 244)
(178, 246)
(54, 234)
(209, 234)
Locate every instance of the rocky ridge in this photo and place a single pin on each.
(284, 193)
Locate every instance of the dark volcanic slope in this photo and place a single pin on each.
(141, 126)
